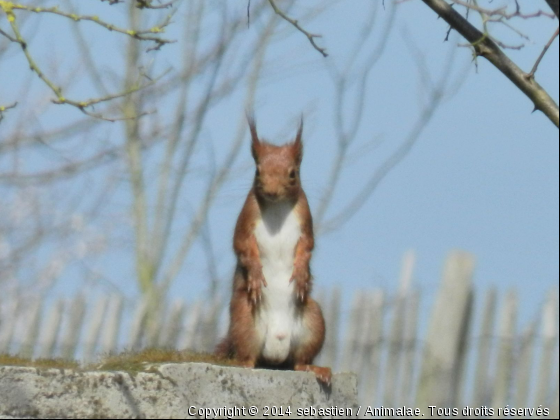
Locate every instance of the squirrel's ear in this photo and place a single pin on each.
(255, 142)
(298, 145)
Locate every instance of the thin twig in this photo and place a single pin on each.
(541, 56)
(517, 31)
(61, 173)
(248, 13)
(502, 16)
(57, 90)
(428, 111)
(147, 4)
(502, 11)
(11, 38)
(85, 49)
(311, 37)
(114, 119)
(221, 176)
(142, 35)
(507, 46)
(95, 101)
(6, 108)
(347, 128)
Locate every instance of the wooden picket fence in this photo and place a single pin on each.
(462, 352)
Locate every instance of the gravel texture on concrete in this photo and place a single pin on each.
(186, 390)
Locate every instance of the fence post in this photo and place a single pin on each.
(548, 338)
(74, 327)
(8, 325)
(354, 332)
(446, 334)
(34, 321)
(174, 326)
(111, 334)
(97, 315)
(370, 374)
(51, 330)
(409, 342)
(504, 356)
(481, 380)
(396, 346)
(193, 319)
(525, 363)
(328, 356)
(138, 324)
(211, 318)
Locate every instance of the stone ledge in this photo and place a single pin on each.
(169, 391)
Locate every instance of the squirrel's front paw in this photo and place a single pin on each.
(302, 278)
(254, 285)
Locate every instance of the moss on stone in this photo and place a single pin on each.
(8, 360)
(146, 359)
(128, 361)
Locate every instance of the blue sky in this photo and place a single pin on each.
(483, 176)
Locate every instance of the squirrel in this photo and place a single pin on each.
(273, 320)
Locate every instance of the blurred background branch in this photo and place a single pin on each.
(142, 173)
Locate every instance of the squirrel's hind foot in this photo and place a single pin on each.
(323, 374)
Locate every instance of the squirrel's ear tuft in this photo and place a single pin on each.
(298, 145)
(255, 142)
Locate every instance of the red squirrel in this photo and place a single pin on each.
(273, 320)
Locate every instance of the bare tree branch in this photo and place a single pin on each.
(66, 171)
(143, 261)
(157, 159)
(436, 94)
(349, 75)
(218, 180)
(139, 34)
(10, 9)
(487, 48)
(23, 141)
(154, 234)
(311, 37)
(147, 4)
(501, 12)
(541, 56)
(555, 6)
(10, 38)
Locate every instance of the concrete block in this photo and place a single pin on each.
(185, 390)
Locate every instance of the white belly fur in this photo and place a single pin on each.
(278, 325)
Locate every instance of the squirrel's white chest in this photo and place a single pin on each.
(277, 234)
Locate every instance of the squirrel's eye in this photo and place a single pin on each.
(293, 173)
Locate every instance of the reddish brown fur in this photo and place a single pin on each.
(277, 178)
